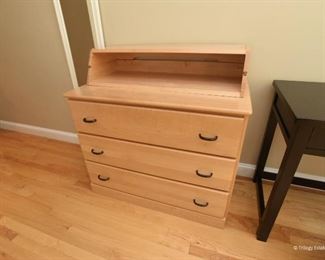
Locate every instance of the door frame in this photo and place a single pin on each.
(96, 23)
(96, 28)
(65, 41)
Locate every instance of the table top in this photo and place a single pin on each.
(306, 99)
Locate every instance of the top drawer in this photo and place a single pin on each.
(209, 134)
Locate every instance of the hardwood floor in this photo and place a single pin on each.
(47, 211)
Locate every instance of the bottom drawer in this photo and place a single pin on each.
(156, 205)
(205, 201)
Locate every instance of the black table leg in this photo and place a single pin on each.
(290, 162)
(268, 137)
(267, 141)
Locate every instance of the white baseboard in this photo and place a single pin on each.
(40, 131)
(244, 169)
(247, 170)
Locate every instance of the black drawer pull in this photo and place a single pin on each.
(203, 205)
(96, 152)
(89, 120)
(204, 175)
(208, 138)
(103, 178)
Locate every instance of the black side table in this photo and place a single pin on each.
(299, 109)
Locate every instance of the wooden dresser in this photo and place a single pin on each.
(163, 126)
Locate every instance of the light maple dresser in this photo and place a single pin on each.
(163, 126)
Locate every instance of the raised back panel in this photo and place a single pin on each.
(210, 65)
(201, 73)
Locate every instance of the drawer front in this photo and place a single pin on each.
(210, 134)
(174, 193)
(199, 169)
(287, 117)
(317, 139)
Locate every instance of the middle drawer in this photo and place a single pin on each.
(204, 170)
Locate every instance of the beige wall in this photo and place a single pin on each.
(286, 39)
(33, 69)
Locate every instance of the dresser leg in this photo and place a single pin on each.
(290, 162)
(267, 141)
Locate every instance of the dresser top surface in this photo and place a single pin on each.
(159, 98)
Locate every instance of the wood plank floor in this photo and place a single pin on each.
(47, 211)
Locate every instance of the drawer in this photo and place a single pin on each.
(199, 169)
(219, 135)
(155, 205)
(317, 139)
(206, 201)
(286, 116)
